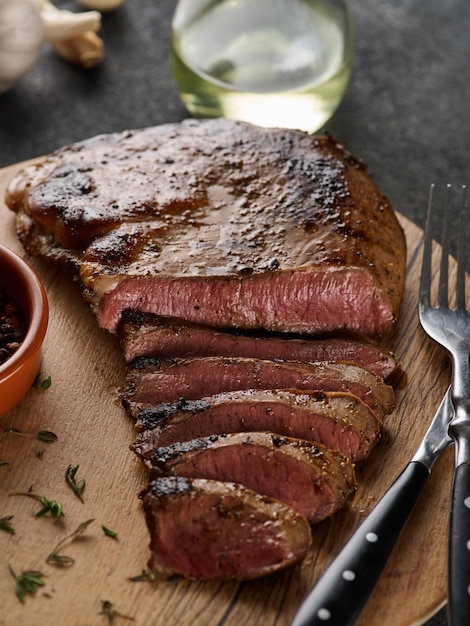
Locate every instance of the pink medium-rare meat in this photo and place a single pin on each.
(296, 301)
(339, 421)
(144, 335)
(214, 530)
(149, 383)
(220, 223)
(314, 481)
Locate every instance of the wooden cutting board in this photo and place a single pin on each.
(82, 408)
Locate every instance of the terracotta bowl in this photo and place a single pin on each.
(23, 287)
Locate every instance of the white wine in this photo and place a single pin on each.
(282, 63)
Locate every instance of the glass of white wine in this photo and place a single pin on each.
(274, 63)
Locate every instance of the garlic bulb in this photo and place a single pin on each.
(101, 5)
(21, 39)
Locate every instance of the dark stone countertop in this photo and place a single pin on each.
(405, 111)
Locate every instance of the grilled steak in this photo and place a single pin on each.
(339, 421)
(313, 480)
(219, 223)
(208, 529)
(144, 335)
(150, 383)
(222, 230)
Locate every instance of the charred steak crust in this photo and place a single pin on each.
(219, 222)
(313, 480)
(207, 529)
(339, 421)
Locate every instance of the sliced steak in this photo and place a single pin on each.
(214, 530)
(220, 223)
(144, 335)
(314, 481)
(339, 421)
(154, 382)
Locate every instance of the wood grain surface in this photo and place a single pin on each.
(94, 433)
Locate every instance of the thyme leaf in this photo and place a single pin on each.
(27, 582)
(47, 435)
(42, 383)
(3, 463)
(82, 527)
(77, 487)
(5, 524)
(107, 608)
(11, 431)
(57, 559)
(60, 559)
(109, 533)
(48, 506)
(144, 575)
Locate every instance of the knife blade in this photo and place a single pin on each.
(341, 593)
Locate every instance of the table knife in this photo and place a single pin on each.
(341, 593)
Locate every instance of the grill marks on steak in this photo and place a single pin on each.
(339, 421)
(313, 480)
(163, 338)
(221, 223)
(208, 529)
(154, 382)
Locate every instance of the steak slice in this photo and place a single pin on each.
(209, 529)
(144, 335)
(220, 223)
(314, 481)
(339, 421)
(150, 382)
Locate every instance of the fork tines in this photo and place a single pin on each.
(447, 209)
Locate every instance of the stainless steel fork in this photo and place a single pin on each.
(444, 317)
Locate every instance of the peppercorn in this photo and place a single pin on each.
(12, 328)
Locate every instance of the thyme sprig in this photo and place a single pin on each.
(27, 582)
(53, 507)
(108, 609)
(5, 524)
(77, 486)
(43, 435)
(58, 559)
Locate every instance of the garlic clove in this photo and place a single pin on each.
(63, 24)
(85, 50)
(101, 5)
(21, 39)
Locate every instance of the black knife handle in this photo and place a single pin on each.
(341, 593)
(459, 548)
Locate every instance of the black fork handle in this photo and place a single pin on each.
(459, 548)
